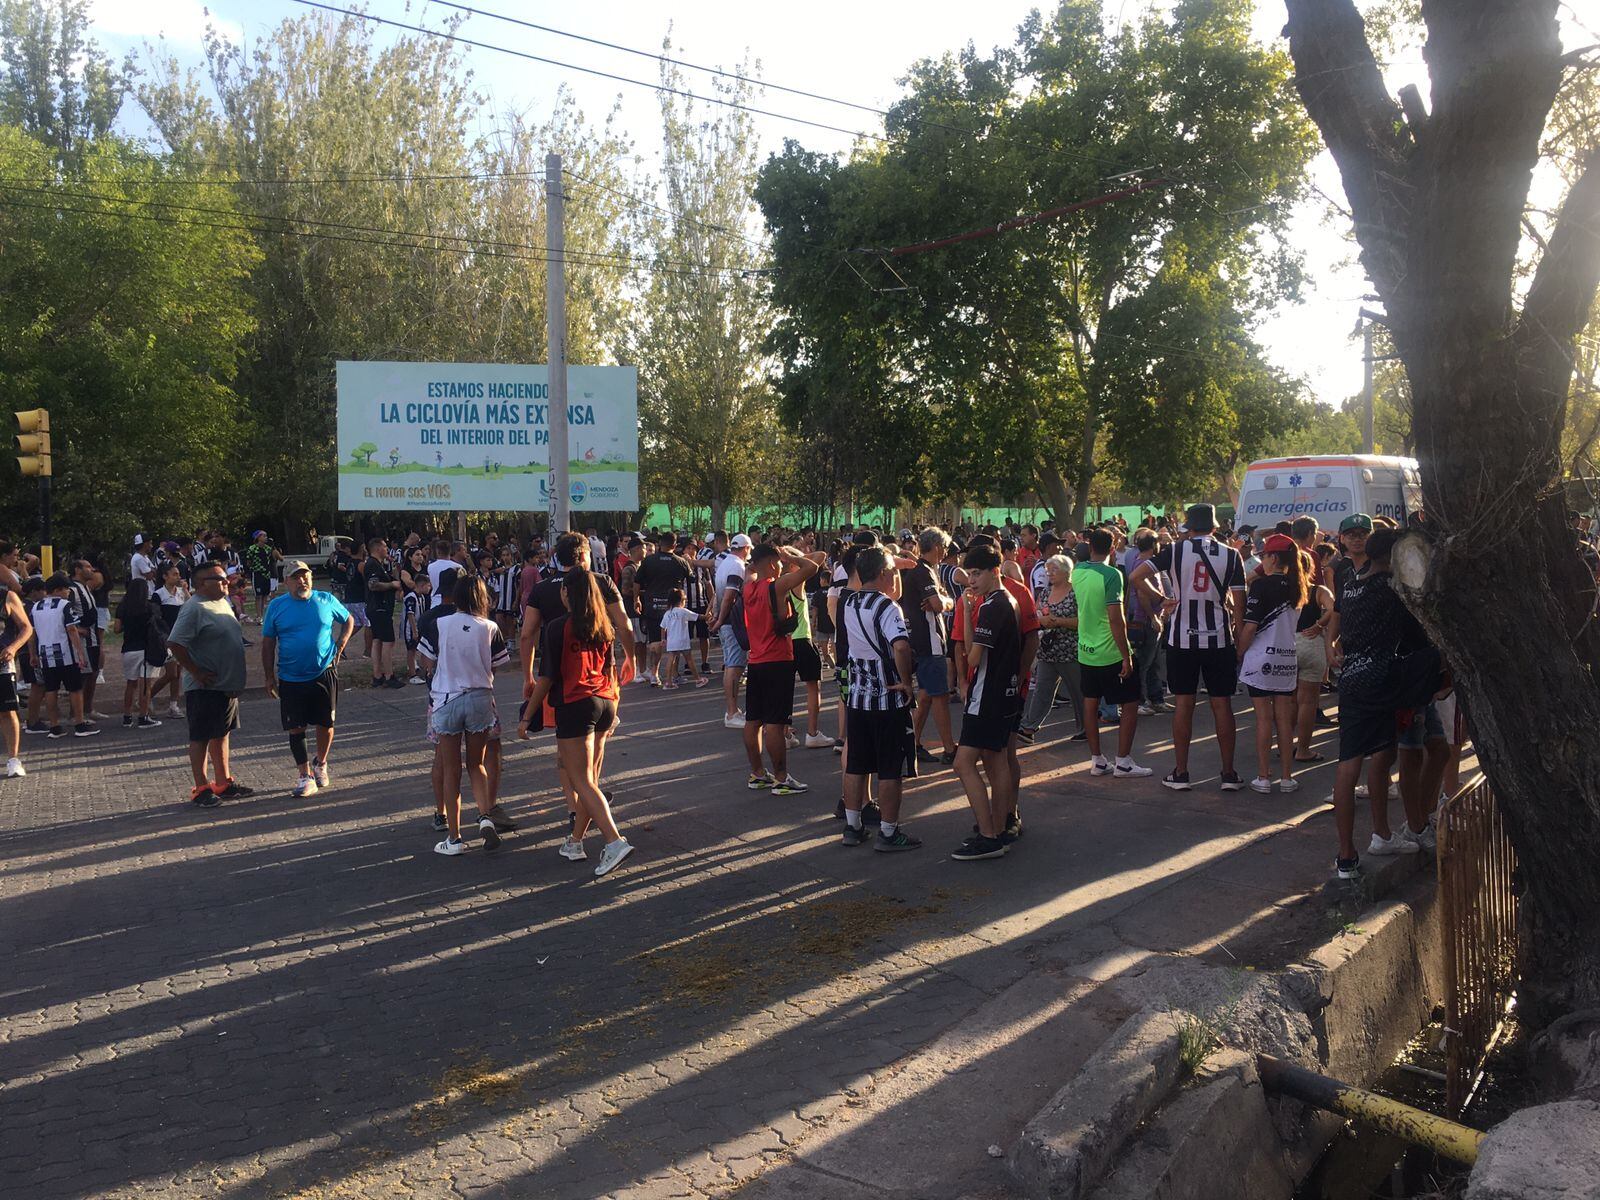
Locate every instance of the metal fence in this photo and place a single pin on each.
(1476, 863)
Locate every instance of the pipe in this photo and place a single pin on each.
(1443, 1137)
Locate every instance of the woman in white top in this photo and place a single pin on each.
(1267, 663)
(172, 595)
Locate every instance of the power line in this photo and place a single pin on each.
(677, 62)
(395, 239)
(285, 180)
(555, 62)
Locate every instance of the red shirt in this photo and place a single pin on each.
(766, 643)
(578, 672)
(1028, 558)
(1027, 611)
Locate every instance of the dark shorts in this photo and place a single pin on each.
(63, 679)
(807, 662)
(382, 623)
(263, 583)
(1219, 668)
(987, 733)
(212, 714)
(1109, 684)
(933, 674)
(8, 694)
(1365, 729)
(651, 618)
(698, 630)
(1263, 694)
(769, 693)
(583, 717)
(309, 702)
(879, 743)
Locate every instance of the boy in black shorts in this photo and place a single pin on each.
(993, 694)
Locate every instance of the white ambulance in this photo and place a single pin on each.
(1329, 488)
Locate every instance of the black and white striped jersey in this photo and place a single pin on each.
(505, 585)
(1195, 566)
(87, 615)
(51, 617)
(869, 625)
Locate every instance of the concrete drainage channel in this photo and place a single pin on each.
(1172, 1108)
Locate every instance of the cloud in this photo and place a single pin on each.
(181, 22)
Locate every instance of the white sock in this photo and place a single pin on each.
(1099, 760)
(852, 818)
(1124, 760)
(887, 828)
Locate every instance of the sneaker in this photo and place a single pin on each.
(853, 836)
(1100, 768)
(1131, 770)
(307, 786)
(789, 786)
(704, 667)
(612, 855)
(15, 769)
(418, 680)
(1427, 840)
(395, 682)
(978, 847)
(1398, 842)
(790, 740)
(503, 823)
(1288, 785)
(870, 814)
(1231, 782)
(760, 783)
(489, 834)
(451, 846)
(1147, 710)
(1026, 736)
(233, 790)
(439, 823)
(947, 759)
(1178, 781)
(173, 710)
(148, 723)
(36, 727)
(924, 755)
(734, 721)
(57, 731)
(838, 746)
(1081, 736)
(572, 850)
(702, 682)
(319, 772)
(893, 845)
(96, 715)
(1347, 868)
(838, 810)
(818, 741)
(1261, 784)
(127, 721)
(1363, 792)
(204, 797)
(1013, 829)
(85, 729)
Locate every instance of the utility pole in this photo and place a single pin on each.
(1366, 384)
(555, 306)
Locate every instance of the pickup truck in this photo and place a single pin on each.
(317, 559)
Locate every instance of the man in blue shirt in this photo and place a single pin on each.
(302, 636)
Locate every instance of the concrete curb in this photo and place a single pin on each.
(1066, 1148)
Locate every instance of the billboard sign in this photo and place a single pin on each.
(476, 437)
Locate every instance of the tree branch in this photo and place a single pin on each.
(1342, 88)
(1569, 270)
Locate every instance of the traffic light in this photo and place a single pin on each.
(33, 443)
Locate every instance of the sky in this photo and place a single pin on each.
(850, 49)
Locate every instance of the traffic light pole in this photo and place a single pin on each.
(47, 551)
(555, 303)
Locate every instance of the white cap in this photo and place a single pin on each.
(710, 537)
(740, 542)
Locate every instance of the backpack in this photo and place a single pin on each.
(784, 625)
(735, 622)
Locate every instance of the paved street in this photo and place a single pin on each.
(298, 998)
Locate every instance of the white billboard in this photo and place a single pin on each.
(476, 436)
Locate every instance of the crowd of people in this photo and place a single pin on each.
(990, 631)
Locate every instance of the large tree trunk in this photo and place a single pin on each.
(1437, 206)
(1053, 488)
(1080, 505)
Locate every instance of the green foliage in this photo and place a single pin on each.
(131, 334)
(55, 83)
(992, 365)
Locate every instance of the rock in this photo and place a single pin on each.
(1548, 1152)
(1565, 1057)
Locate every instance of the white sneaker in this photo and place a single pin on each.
(613, 854)
(573, 851)
(14, 768)
(1131, 770)
(1100, 768)
(307, 786)
(790, 740)
(450, 846)
(1363, 791)
(1146, 711)
(736, 721)
(1426, 840)
(1261, 784)
(818, 741)
(1288, 785)
(489, 834)
(173, 710)
(1398, 842)
(319, 772)
(418, 679)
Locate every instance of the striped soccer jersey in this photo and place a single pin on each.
(51, 617)
(869, 625)
(1195, 566)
